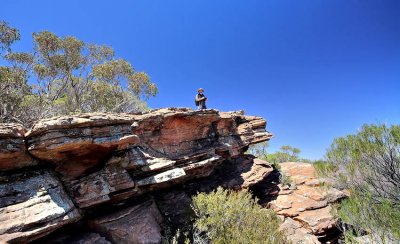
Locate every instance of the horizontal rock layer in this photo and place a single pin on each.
(137, 224)
(304, 206)
(33, 204)
(103, 158)
(13, 153)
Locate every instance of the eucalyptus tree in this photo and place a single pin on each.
(67, 75)
(13, 76)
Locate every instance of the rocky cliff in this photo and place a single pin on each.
(125, 178)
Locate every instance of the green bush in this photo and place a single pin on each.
(368, 164)
(234, 217)
(381, 221)
(284, 154)
(323, 168)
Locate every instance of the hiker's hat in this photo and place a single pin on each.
(200, 89)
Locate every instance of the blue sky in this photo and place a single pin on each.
(314, 69)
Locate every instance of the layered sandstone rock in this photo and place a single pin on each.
(111, 157)
(163, 138)
(304, 206)
(33, 204)
(13, 153)
(137, 224)
(104, 161)
(77, 144)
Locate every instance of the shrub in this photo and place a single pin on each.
(323, 168)
(360, 214)
(284, 154)
(234, 217)
(368, 164)
(285, 180)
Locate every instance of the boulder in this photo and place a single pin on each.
(319, 221)
(33, 204)
(304, 205)
(296, 233)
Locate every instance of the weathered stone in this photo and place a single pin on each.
(151, 141)
(260, 169)
(111, 183)
(133, 225)
(306, 206)
(109, 160)
(177, 132)
(319, 221)
(246, 171)
(252, 129)
(33, 204)
(297, 234)
(141, 159)
(13, 153)
(76, 144)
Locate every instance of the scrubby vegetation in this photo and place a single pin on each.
(234, 217)
(285, 153)
(368, 164)
(64, 75)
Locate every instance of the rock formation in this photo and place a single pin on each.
(304, 206)
(128, 178)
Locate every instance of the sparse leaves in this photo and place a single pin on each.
(8, 35)
(69, 76)
(368, 164)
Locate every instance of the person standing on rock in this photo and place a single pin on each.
(200, 99)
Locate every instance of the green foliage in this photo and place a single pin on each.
(234, 217)
(70, 76)
(369, 161)
(368, 164)
(8, 35)
(323, 168)
(260, 150)
(381, 221)
(284, 154)
(13, 89)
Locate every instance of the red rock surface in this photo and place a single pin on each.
(105, 163)
(13, 153)
(304, 206)
(76, 144)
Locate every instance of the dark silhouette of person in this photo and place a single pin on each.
(200, 99)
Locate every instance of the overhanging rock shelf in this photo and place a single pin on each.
(63, 166)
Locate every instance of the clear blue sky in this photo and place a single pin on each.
(314, 69)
